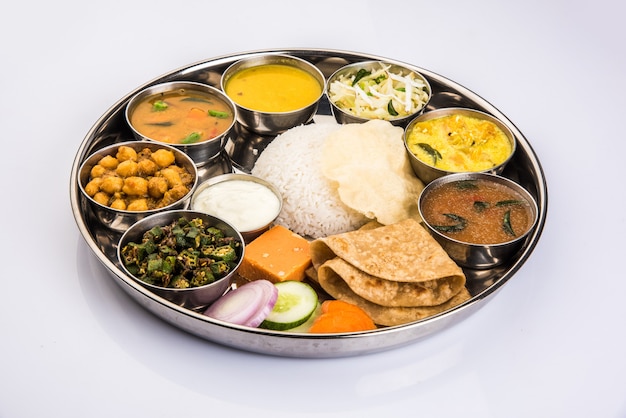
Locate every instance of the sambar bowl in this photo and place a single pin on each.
(273, 92)
(482, 220)
(456, 140)
(189, 258)
(128, 181)
(249, 203)
(368, 90)
(193, 117)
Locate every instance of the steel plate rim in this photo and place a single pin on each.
(410, 332)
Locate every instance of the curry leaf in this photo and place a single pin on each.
(506, 224)
(509, 202)
(460, 224)
(466, 185)
(480, 206)
(435, 155)
(360, 74)
(391, 109)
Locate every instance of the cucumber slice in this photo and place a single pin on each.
(296, 303)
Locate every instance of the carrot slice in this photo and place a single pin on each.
(340, 316)
(196, 113)
(340, 305)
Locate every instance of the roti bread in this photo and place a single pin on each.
(385, 315)
(398, 273)
(403, 251)
(390, 292)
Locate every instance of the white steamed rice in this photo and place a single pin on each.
(311, 205)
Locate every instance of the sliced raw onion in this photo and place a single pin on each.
(247, 305)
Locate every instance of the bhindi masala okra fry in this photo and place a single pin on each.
(182, 254)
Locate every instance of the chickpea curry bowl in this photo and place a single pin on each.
(187, 257)
(128, 181)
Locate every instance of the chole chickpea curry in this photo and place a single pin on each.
(138, 181)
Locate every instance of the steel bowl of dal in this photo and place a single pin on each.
(273, 92)
(456, 140)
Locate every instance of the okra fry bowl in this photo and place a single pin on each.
(187, 257)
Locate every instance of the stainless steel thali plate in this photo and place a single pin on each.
(240, 154)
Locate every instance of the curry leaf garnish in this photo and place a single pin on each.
(360, 74)
(460, 224)
(167, 123)
(391, 109)
(466, 185)
(480, 206)
(509, 202)
(506, 224)
(435, 155)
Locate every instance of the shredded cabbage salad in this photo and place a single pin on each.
(378, 94)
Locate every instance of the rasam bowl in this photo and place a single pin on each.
(495, 215)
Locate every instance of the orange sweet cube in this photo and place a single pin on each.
(277, 255)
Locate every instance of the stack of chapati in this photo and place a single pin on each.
(397, 273)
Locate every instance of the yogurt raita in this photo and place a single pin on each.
(246, 205)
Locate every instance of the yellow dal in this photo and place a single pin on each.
(465, 143)
(273, 88)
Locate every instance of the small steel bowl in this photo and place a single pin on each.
(273, 123)
(200, 152)
(121, 220)
(194, 298)
(344, 116)
(479, 256)
(427, 172)
(238, 211)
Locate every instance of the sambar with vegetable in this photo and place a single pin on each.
(182, 116)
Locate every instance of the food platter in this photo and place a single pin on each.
(239, 155)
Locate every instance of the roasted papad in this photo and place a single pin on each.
(398, 273)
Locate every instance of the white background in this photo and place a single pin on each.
(550, 344)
